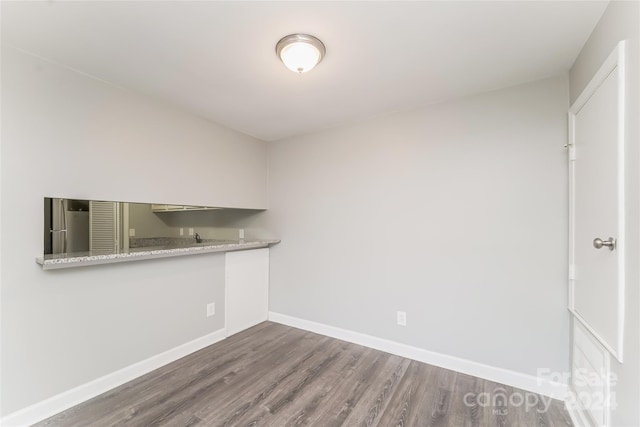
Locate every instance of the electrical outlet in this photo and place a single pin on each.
(211, 309)
(190, 231)
(132, 232)
(402, 318)
(182, 231)
(241, 233)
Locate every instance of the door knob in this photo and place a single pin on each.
(598, 243)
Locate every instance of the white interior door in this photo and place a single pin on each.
(596, 146)
(104, 229)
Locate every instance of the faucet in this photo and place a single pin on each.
(198, 238)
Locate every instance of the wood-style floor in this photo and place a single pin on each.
(274, 375)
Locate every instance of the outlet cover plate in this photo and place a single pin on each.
(402, 318)
(211, 309)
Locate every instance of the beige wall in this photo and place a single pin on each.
(209, 224)
(217, 224)
(145, 222)
(67, 135)
(621, 21)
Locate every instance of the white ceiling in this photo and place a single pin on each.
(217, 59)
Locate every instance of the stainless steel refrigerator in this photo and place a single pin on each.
(67, 224)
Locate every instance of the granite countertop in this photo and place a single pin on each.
(80, 259)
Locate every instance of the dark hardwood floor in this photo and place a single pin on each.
(274, 375)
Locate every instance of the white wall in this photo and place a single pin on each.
(456, 214)
(90, 140)
(67, 135)
(621, 21)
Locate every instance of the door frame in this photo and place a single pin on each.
(614, 63)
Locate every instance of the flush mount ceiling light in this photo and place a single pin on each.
(300, 52)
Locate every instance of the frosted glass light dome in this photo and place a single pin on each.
(300, 52)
